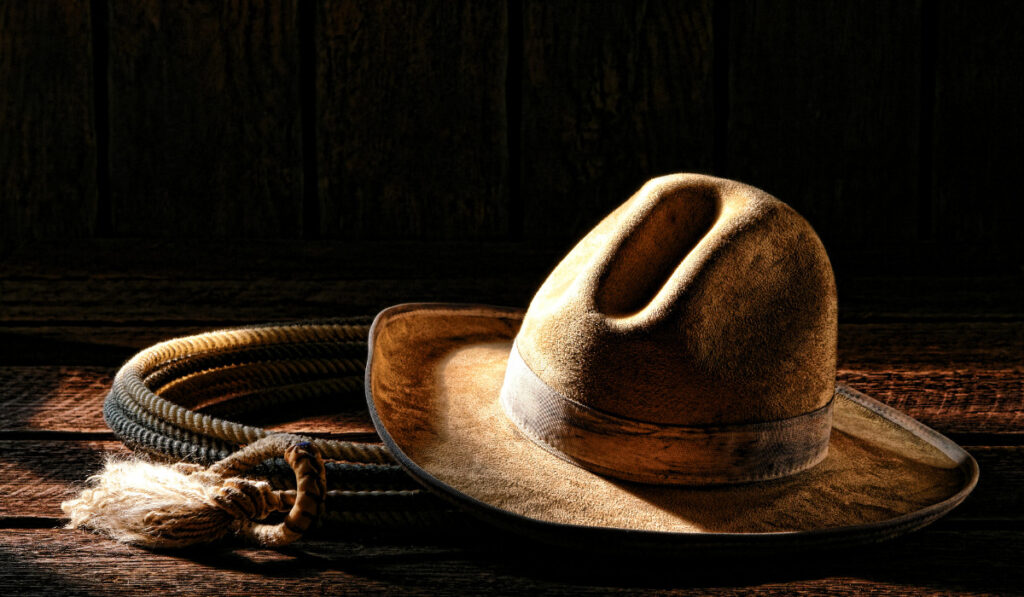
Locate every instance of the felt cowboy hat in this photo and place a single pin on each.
(672, 385)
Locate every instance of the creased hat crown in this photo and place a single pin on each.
(699, 303)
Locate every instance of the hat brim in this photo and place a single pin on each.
(433, 378)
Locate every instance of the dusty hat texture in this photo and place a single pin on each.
(672, 384)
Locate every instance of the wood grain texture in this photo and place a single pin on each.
(934, 561)
(411, 123)
(612, 94)
(47, 137)
(823, 113)
(956, 401)
(204, 118)
(54, 398)
(35, 476)
(70, 399)
(977, 140)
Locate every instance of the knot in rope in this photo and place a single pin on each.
(184, 504)
(247, 500)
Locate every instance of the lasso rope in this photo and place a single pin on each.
(168, 401)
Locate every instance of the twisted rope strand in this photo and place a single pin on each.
(128, 382)
(230, 355)
(193, 388)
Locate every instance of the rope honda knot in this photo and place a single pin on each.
(183, 504)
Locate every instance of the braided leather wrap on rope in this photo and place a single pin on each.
(152, 407)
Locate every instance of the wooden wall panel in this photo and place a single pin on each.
(205, 118)
(895, 128)
(823, 113)
(411, 119)
(979, 125)
(614, 93)
(47, 138)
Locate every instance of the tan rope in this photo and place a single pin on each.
(199, 386)
(131, 378)
(151, 405)
(161, 506)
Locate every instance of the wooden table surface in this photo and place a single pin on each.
(948, 351)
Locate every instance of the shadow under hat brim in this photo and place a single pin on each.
(433, 378)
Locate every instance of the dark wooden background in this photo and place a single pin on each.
(168, 167)
(894, 127)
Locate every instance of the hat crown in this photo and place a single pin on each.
(700, 301)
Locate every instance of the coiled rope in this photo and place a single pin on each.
(170, 402)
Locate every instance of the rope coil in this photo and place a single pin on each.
(167, 402)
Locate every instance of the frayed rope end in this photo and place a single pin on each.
(159, 506)
(139, 502)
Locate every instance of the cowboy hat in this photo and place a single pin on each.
(671, 385)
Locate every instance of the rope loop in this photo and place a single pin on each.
(310, 490)
(184, 504)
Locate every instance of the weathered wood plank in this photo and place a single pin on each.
(70, 399)
(47, 137)
(35, 476)
(823, 112)
(939, 560)
(53, 398)
(613, 94)
(959, 401)
(411, 123)
(977, 141)
(204, 118)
